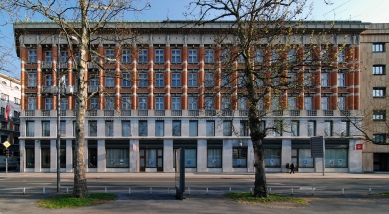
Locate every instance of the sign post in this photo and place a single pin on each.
(318, 149)
(6, 144)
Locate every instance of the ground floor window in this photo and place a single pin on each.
(305, 160)
(190, 158)
(45, 158)
(214, 158)
(336, 158)
(151, 158)
(92, 157)
(239, 157)
(30, 158)
(62, 157)
(117, 158)
(272, 158)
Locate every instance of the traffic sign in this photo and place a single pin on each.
(6, 144)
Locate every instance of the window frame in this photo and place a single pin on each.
(45, 128)
(159, 55)
(176, 79)
(176, 55)
(143, 56)
(379, 92)
(378, 47)
(379, 69)
(192, 56)
(159, 80)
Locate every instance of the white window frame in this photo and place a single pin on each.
(176, 79)
(209, 56)
(192, 55)
(159, 56)
(126, 56)
(176, 55)
(142, 56)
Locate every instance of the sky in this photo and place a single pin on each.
(374, 11)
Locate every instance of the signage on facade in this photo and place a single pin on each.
(358, 146)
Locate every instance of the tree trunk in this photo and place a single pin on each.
(260, 186)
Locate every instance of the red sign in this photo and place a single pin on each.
(359, 147)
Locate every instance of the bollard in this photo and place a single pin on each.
(105, 190)
(369, 190)
(151, 190)
(188, 190)
(44, 190)
(270, 190)
(230, 189)
(24, 190)
(342, 190)
(67, 190)
(313, 190)
(292, 192)
(129, 191)
(207, 190)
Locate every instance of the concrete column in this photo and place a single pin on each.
(53, 155)
(202, 158)
(38, 154)
(227, 156)
(134, 155)
(286, 154)
(101, 161)
(69, 156)
(168, 156)
(250, 156)
(354, 157)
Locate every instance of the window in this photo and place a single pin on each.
(209, 105)
(307, 55)
(126, 103)
(142, 102)
(308, 103)
(259, 55)
(241, 80)
(176, 55)
(63, 56)
(62, 128)
(32, 56)
(30, 158)
(342, 103)
(142, 82)
(117, 158)
(142, 128)
(242, 103)
(272, 158)
(324, 55)
(241, 58)
(328, 128)
(109, 55)
(311, 128)
(345, 129)
(176, 80)
(307, 79)
(192, 56)
(292, 55)
(325, 104)
(278, 128)
(244, 128)
(274, 56)
(192, 82)
(210, 128)
(378, 47)
(341, 55)
(17, 101)
(48, 103)
(45, 157)
(94, 103)
(292, 80)
(176, 103)
(49, 80)
(295, 128)
(142, 58)
(336, 158)
(227, 128)
(176, 128)
(92, 158)
(225, 55)
(159, 128)
(379, 92)
(109, 128)
(159, 105)
(126, 56)
(304, 158)
(46, 128)
(31, 103)
(30, 128)
(209, 56)
(126, 128)
(379, 115)
(74, 128)
(193, 128)
(225, 80)
(324, 80)
(239, 157)
(126, 80)
(109, 80)
(292, 103)
(109, 103)
(214, 158)
(159, 56)
(159, 80)
(226, 103)
(341, 79)
(209, 80)
(379, 138)
(379, 70)
(92, 128)
(275, 103)
(31, 79)
(48, 56)
(192, 103)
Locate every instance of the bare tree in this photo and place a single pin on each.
(81, 23)
(261, 59)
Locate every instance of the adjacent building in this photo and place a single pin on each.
(152, 100)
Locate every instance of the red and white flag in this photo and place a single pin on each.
(8, 111)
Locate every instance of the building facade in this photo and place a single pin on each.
(374, 43)
(152, 100)
(10, 89)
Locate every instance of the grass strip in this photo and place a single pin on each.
(68, 201)
(246, 197)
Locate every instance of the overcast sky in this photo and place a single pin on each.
(361, 10)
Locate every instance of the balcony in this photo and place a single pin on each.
(328, 113)
(227, 113)
(159, 113)
(345, 113)
(93, 65)
(29, 112)
(45, 113)
(176, 112)
(46, 64)
(125, 113)
(93, 88)
(143, 113)
(63, 65)
(91, 112)
(243, 113)
(193, 113)
(294, 113)
(109, 113)
(278, 113)
(311, 113)
(210, 113)
(62, 113)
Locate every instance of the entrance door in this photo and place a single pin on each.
(381, 161)
(295, 159)
(150, 158)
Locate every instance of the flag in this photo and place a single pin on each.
(8, 112)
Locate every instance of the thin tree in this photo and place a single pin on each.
(81, 23)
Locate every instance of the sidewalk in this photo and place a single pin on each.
(191, 175)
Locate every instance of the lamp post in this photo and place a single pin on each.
(58, 117)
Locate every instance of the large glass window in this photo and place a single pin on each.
(176, 103)
(305, 160)
(336, 158)
(214, 158)
(142, 128)
(109, 103)
(239, 157)
(341, 55)
(126, 56)
(192, 103)
(272, 158)
(93, 128)
(31, 103)
(209, 105)
(176, 128)
(48, 56)
(126, 80)
(109, 80)
(109, 55)
(159, 56)
(176, 55)
(32, 56)
(328, 128)
(193, 128)
(308, 103)
(46, 128)
(94, 103)
(159, 103)
(345, 129)
(295, 128)
(48, 103)
(190, 158)
(226, 103)
(92, 157)
(278, 128)
(126, 128)
(117, 158)
(208, 56)
(62, 128)
(30, 128)
(227, 128)
(192, 58)
(210, 128)
(109, 128)
(159, 128)
(45, 158)
(64, 56)
(31, 79)
(342, 103)
(30, 158)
